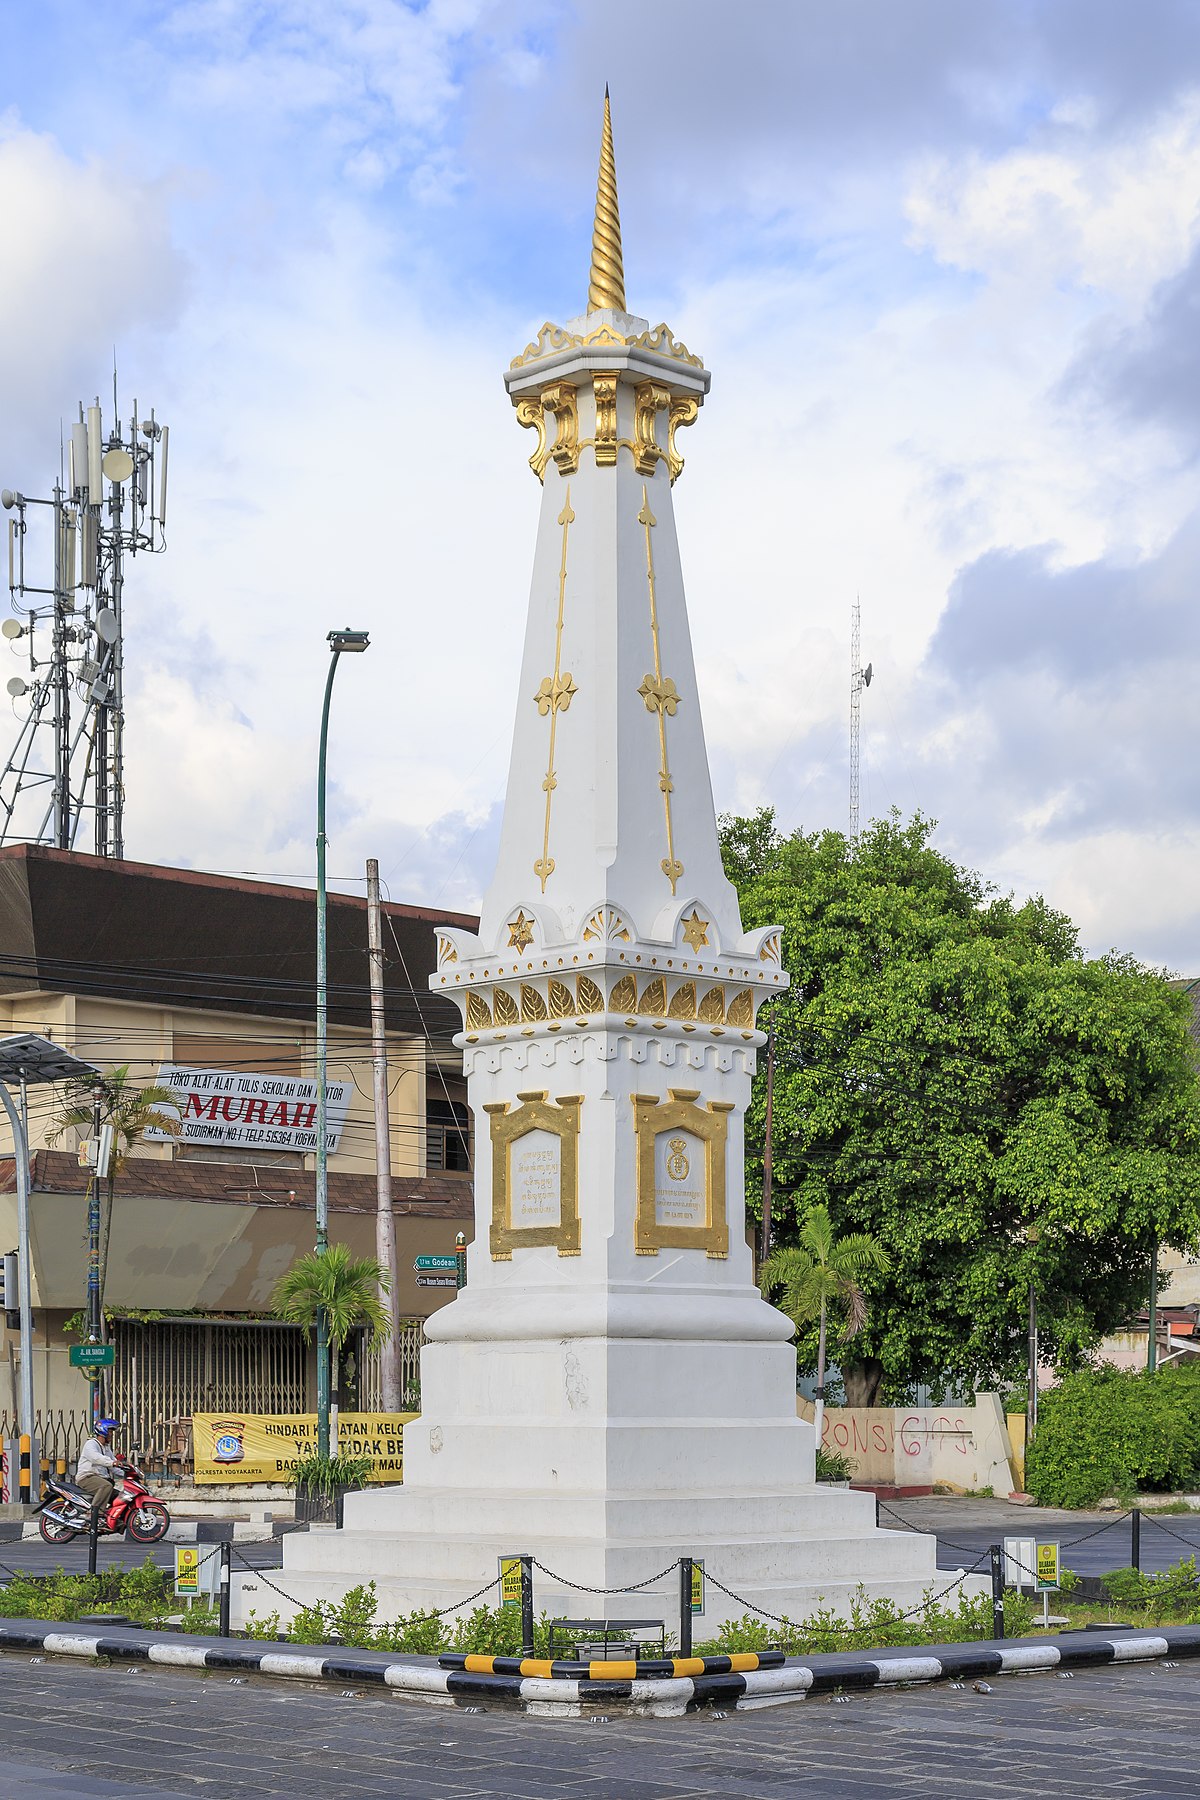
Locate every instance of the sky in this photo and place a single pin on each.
(942, 259)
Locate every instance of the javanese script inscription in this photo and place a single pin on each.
(535, 1180)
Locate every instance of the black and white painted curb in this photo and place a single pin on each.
(797, 1679)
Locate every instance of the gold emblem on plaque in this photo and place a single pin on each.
(654, 1118)
(678, 1166)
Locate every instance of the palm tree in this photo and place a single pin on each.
(132, 1111)
(820, 1272)
(349, 1290)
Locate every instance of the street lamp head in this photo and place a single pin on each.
(347, 640)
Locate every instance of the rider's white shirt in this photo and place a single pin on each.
(94, 1459)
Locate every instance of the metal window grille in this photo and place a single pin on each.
(412, 1336)
(168, 1369)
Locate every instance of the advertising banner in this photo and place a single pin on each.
(265, 1112)
(266, 1446)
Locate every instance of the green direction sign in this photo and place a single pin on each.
(92, 1356)
(436, 1262)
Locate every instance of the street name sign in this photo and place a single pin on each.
(92, 1356)
(436, 1262)
(441, 1281)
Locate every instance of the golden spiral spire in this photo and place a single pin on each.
(606, 281)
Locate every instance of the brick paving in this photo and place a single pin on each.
(90, 1732)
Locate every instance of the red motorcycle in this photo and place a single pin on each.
(67, 1513)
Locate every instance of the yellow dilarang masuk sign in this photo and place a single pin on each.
(266, 1446)
(187, 1569)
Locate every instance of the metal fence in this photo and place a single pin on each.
(166, 1370)
(411, 1337)
(60, 1432)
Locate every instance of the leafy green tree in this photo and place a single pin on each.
(349, 1288)
(132, 1111)
(821, 1271)
(955, 1078)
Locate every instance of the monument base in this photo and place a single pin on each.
(789, 1554)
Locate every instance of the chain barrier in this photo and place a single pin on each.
(966, 1549)
(969, 1549)
(1150, 1518)
(1100, 1529)
(856, 1630)
(581, 1587)
(293, 1601)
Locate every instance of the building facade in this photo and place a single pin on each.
(206, 984)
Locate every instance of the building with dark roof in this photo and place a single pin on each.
(207, 983)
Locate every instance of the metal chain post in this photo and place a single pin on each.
(685, 1606)
(996, 1556)
(223, 1578)
(527, 1606)
(1135, 1538)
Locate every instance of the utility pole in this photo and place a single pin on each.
(1152, 1339)
(385, 1221)
(766, 1200)
(860, 678)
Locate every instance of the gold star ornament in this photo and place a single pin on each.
(520, 932)
(695, 930)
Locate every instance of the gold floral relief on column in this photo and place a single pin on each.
(683, 1001)
(554, 696)
(684, 411)
(590, 998)
(533, 1007)
(479, 1015)
(560, 399)
(671, 1119)
(562, 1001)
(505, 1008)
(531, 416)
(530, 1207)
(654, 998)
(661, 697)
(624, 995)
(650, 399)
(711, 1010)
(605, 442)
(740, 1010)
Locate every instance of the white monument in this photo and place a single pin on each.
(609, 1391)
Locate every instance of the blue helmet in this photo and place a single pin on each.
(104, 1426)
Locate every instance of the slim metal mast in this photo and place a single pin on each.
(859, 679)
(67, 758)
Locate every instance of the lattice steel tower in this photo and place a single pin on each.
(68, 755)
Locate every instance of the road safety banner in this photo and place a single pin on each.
(266, 1446)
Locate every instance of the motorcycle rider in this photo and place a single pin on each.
(97, 1463)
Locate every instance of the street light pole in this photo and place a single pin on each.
(340, 642)
(24, 1058)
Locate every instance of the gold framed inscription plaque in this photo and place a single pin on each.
(535, 1174)
(681, 1203)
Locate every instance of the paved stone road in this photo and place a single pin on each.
(72, 1731)
(974, 1524)
(32, 1557)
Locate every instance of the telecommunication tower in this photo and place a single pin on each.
(68, 756)
(860, 678)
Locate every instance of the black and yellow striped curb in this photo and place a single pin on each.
(558, 1696)
(612, 1669)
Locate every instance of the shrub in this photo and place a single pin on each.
(1111, 1431)
(833, 1466)
(324, 1475)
